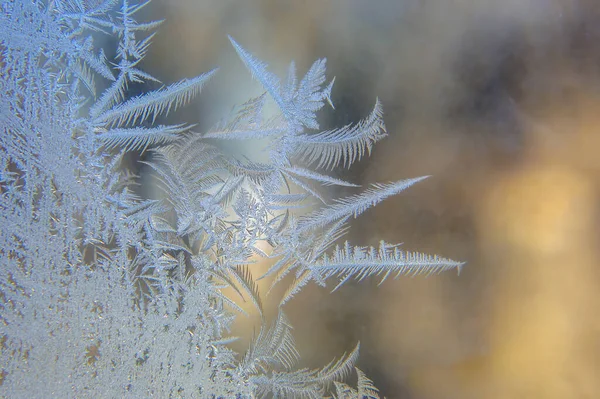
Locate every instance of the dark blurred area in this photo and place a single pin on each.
(500, 103)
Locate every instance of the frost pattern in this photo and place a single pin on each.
(107, 294)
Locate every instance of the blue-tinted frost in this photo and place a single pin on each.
(107, 294)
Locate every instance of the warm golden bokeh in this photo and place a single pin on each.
(536, 226)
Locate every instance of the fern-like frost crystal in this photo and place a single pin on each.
(359, 263)
(108, 292)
